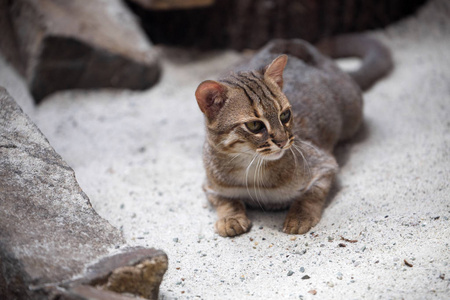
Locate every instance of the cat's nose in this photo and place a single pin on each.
(281, 143)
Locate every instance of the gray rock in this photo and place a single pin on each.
(49, 232)
(138, 271)
(77, 44)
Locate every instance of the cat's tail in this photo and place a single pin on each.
(376, 57)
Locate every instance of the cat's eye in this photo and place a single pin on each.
(285, 116)
(255, 126)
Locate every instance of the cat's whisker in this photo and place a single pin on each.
(246, 175)
(264, 163)
(261, 178)
(306, 164)
(246, 151)
(263, 169)
(301, 144)
(295, 157)
(235, 156)
(257, 179)
(309, 145)
(221, 143)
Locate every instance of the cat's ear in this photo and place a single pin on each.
(211, 96)
(275, 69)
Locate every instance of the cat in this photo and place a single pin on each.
(271, 128)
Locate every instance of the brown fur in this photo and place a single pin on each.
(289, 163)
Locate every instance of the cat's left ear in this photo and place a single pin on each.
(275, 69)
(211, 96)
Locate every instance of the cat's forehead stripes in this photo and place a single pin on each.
(259, 88)
(251, 94)
(268, 93)
(261, 97)
(248, 90)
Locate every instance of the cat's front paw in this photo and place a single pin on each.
(296, 225)
(233, 225)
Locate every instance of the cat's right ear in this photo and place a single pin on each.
(274, 71)
(211, 96)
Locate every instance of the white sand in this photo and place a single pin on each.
(138, 157)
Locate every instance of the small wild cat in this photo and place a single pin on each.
(271, 130)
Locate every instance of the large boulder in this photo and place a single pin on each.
(52, 242)
(58, 44)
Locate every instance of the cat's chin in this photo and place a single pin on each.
(275, 155)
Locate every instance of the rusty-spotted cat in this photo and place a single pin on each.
(271, 129)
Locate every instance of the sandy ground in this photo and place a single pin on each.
(138, 157)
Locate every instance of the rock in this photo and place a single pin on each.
(8, 42)
(138, 271)
(172, 4)
(49, 232)
(78, 44)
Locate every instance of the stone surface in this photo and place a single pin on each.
(173, 4)
(138, 271)
(49, 232)
(77, 44)
(243, 24)
(87, 292)
(8, 42)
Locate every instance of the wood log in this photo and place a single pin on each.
(172, 4)
(241, 24)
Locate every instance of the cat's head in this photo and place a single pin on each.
(248, 113)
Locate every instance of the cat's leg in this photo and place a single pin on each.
(306, 211)
(232, 217)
